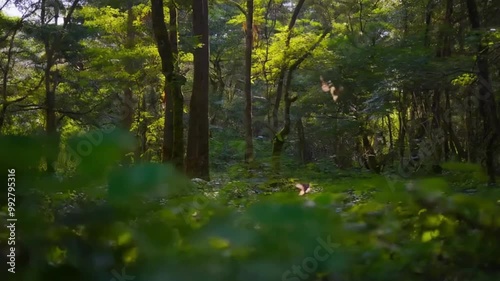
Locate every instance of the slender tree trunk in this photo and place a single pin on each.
(176, 96)
(304, 150)
(267, 38)
(197, 162)
(277, 100)
(402, 127)
(142, 130)
(487, 104)
(445, 50)
(218, 88)
(437, 130)
(405, 17)
(248, 83)
(279, 138)
(360, 18)
(50, 111)
(469, 127)
(447, 125)
(167, 67)
(428, 21)
(389, 127)
(50, 114)
(5, 80)
(281, 77)
(51, 43)
(128, 102)
(168, 125)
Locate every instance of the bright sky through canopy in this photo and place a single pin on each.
(12, 11)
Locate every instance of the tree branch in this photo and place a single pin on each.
(239, 7)
(67, 18)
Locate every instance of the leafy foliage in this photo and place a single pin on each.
(396, 166)
(149, 222)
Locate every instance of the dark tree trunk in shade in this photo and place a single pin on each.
(284, 69)
(176, 96)
(197, 161)
(162, 38)
(303, 147)
(248, 83)
(487, 105)
(279, 138)
(51, 44)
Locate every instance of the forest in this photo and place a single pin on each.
(244, 140)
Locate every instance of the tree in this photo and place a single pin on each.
(197, 161)
(11, 27)
(279, 138)
(283, 69)
(248, 82)
(52, 44)
(487, 104)
(176, 95)
(173, 143)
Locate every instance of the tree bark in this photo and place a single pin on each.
(279, 138)
(428, 21)
(128, 102)
(487, 105)
(167, 67)
(304, 150)
(389, 127)
(5, 81)
(51, 43)
(281, 77)
(248, 83)
(197, 162)
(177, 97)
(402, 128)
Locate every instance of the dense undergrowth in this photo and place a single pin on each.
(147, 222)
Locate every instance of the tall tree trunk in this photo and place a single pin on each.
(487, 105)
(444, 50)
(428, 21)
(50, 111)
(218, 89)
(445, 36)
(197, 162)
(402, 128)
(437, 131)
(248, 83)
(5, 79)
(128, 102)
(50, 99)
(281, 77)
(389, 127)
(177, 97)
(405, 17)
(447, 125)
(279, 96)
(167, 67)
(51, 43)
(303, 147)
(469, 127)
(142, 120)
(279, 138)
